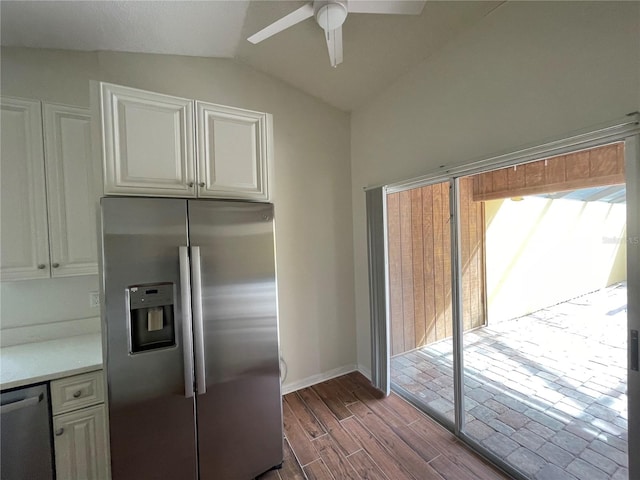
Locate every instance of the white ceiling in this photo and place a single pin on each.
(206, 29)
(377, 48)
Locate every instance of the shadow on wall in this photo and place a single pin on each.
(540, 252)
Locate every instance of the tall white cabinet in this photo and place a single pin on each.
(48, 201)
(71, 198)
(23, 216)
(160, 145)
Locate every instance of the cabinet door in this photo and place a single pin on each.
(80, 443)
(71, 199)
(233, 150)
(148, 143)
(23, 216)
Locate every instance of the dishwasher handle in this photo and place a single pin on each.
(20, 404)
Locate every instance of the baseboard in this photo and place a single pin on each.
(48, 331)
(365, 371)
(321, 377)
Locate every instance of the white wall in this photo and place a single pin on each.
(311, 188)
(528, 72)
(540, 252)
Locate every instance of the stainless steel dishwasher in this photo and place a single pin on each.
(26, 451)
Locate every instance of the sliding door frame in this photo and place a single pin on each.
(632, 173)
(626, 130)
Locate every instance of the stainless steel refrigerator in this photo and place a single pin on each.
(191, 338)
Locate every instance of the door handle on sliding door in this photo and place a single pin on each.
(198, 325)
(634, 350)
(187, 332)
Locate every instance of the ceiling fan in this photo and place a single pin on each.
(331, 14)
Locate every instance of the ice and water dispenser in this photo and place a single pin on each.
(151, 317)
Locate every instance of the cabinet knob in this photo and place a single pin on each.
(190, 184)
(41, 266)
(201, 184)
(77, 394)
(59, 432)
(55, 265)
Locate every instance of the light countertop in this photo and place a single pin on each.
(42, 361)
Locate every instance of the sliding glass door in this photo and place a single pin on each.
(549, 366)
(419, 270)
(513, 306)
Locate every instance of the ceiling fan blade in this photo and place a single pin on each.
(401, 7)
(297, 16)
(334, 45)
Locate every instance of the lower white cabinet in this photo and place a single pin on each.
(80, 427)
(80, 442)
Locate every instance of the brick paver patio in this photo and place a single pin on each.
(545, 392)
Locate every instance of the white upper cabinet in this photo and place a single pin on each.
(232, 152)
(23, 217)
(46, 231)
(148, 143)
(150, 147)
(71, 198)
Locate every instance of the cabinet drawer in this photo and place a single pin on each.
(76, 392)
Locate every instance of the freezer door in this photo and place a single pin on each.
(151, 404)
(239, 406)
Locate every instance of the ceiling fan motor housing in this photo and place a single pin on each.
(331, 15)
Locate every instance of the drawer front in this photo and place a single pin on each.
(75, 392)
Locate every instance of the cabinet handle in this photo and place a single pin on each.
(42, 266)
(59, 432)
(55, 265)
(201, 184)
(190, 184)
(77, 394)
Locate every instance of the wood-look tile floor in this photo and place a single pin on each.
(344, 429)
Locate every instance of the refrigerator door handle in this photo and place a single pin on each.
(187, 333)
(198, 327)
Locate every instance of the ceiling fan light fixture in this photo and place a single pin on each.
(331, 16)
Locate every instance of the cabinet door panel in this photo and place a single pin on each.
(23, 216)
(70, 195)
(232, 152)
(80, 444)
(148, 143)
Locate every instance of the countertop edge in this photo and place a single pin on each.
(23, 382)
(38, 362)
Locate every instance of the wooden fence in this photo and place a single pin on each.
(596, 167)
(420, 264)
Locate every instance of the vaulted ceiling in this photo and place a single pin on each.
(377, 48)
